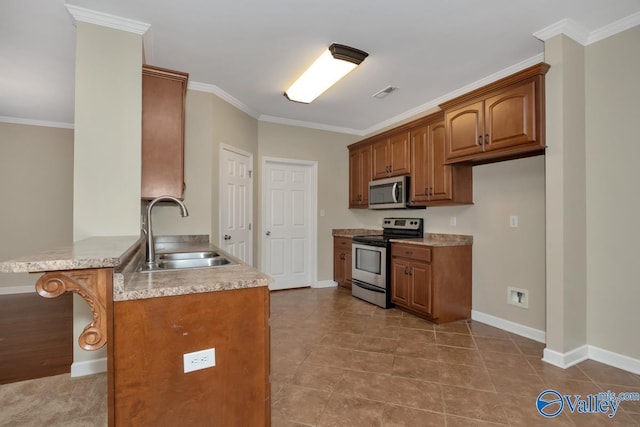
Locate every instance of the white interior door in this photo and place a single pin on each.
(289, 223)
(236, 210)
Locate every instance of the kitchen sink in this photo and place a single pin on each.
(187, 255)
(185, 260)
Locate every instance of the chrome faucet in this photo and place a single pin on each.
(151, 251)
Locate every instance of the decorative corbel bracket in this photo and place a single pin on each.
(92, 286)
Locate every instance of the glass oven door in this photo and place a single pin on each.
(370, 264)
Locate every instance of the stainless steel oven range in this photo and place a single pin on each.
(371, 258)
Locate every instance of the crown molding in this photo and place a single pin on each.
(80, 14)
(310, 125)
(30, 122)
(614, 28)
(204, 87)
(566, 26)
(581, 35)
(427, 107)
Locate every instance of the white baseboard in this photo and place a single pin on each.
(89, 367)
(509, 326)
(568, 359)
(614, 359)
(325, 284)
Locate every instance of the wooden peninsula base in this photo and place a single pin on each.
(150, 338)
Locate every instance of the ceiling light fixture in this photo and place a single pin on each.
(384, 92)
(335, 63)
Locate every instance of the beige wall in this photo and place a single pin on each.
(329, 150)
(566, 196)
(210, 121)
(502, 256)
(613, 204)
(106, 182)
(36, 189)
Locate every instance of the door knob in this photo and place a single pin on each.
(268, 233)
(227, 237)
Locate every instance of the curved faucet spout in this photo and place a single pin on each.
(151, 252)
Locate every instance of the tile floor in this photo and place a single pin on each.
(338, 361)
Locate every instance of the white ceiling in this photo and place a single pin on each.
(250, 51)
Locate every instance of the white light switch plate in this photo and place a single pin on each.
(199, 360)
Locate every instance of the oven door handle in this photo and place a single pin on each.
(368, 287)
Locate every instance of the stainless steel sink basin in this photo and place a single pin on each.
(187, 255)
(193, 263)
(184, 260)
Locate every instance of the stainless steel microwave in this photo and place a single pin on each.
(389, 193)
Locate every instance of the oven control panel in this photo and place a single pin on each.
(403, 223)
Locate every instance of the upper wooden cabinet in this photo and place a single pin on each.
(391, 156)
(500, 121)
(359, 175)
(434, 182)
(163, 109)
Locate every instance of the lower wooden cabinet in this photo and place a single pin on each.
(342, 261)
(150, 338)
(432, 281)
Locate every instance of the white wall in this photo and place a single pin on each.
(613, 205)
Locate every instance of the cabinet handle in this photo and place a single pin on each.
(479, 140)
(409, 253)
(406, 270)
(426, 191)
(486, 138)
(411, 272)
(430, 191)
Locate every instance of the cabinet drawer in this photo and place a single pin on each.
(421, 253)
(342, 242)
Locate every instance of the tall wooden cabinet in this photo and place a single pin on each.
(434, 182)
(163, 110)
(359, 176)
(499, 121)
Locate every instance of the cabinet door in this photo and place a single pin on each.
(420, 286)
(359, 177)
(510, 118)
(338, 265)
(441, 174)
(365, 175)
(163, 93)
(465, 130)
(420, 169)
(398, 154)
(348, 269)
(400, 282)
(380, 158)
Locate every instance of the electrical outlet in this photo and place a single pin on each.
(513, 221)
(453, 221)
(518, 297)
(199, 360)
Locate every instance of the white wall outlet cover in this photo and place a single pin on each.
(453, 221)
(513, 221)
(199, 360)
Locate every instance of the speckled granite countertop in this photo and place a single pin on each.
(94, 252)
(350, 232)
(435, 239)
(124, 253)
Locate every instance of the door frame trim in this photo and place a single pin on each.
(225, 147)
(312, 166)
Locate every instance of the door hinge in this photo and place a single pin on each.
(249, 226)
(250, 172)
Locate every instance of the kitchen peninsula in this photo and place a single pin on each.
(148, 321)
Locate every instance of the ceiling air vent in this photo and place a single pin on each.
(384, 92)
